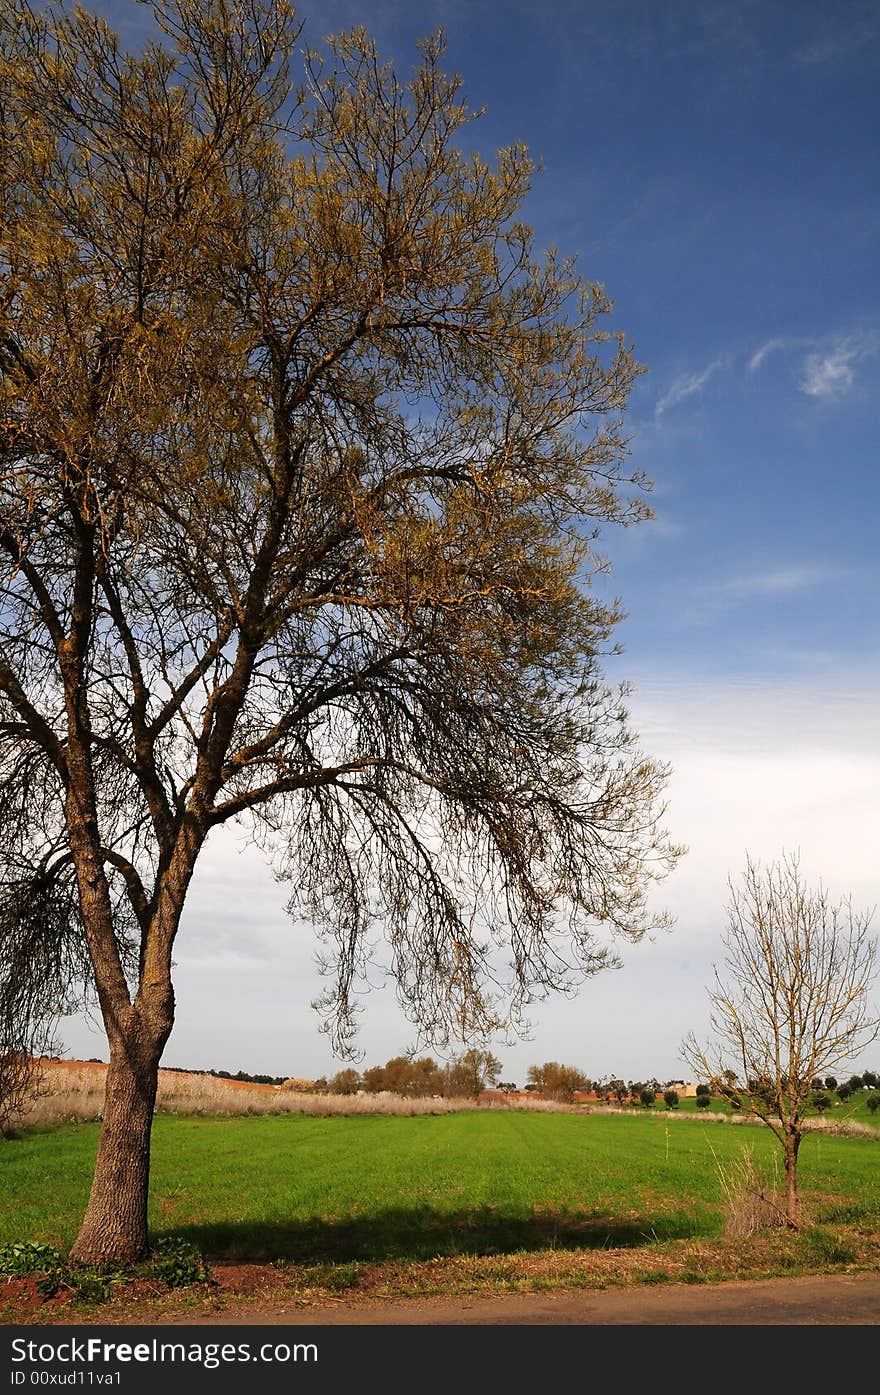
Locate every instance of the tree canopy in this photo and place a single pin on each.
(305, 451)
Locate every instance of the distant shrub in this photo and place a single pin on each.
(704, 1090)
(821, 1102)
(647, 1098)
(670, 1099)
(843, 1093)
(873, 1102)
(704, 1101)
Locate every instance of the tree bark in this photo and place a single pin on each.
(792, 1205)
(115, 1222)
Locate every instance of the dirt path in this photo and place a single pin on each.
(839, 1300)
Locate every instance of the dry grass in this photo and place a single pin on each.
(840, 1128)
(752, 1203)
(629, 1112)
(73, 1091)
(257, 1293)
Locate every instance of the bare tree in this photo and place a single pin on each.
(793, 1002)
(303, 451)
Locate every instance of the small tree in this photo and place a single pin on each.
(873, 1103)
(821, 1102)
(474, 1071)
(670, 1099)
(647, 1098)
(703, 1090)
(794, 1000)
(870, 1080)
(346, 1082)
(843, 1093)
(704, 1101)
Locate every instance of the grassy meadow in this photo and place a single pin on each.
(383, 1188)
(855, 1108)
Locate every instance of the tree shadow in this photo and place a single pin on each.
(420, 1233)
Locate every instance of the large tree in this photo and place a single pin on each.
(304, 451)
(792, 1001)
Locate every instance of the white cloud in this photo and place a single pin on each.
(830, 373)
(832, 46)
(756, 766)
(688, 385)
(714, 598)
(779, 581)
(758, 357)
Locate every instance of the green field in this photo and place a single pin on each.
(855, 1108)
(377, 1188)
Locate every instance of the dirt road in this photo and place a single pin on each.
(839, 1300)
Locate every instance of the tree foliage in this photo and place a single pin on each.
(557, 1082)
(466, 1074)
(304, 454)
(40, 963)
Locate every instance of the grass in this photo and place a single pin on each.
(362, 1189)
(853, 1108)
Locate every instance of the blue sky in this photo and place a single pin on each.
(715, 165)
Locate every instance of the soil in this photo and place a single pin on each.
(248, 1294)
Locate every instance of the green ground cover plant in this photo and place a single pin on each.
(376, 1189)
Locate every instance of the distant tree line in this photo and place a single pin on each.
(464, 1076)
(242, 1075)
(474, 1071)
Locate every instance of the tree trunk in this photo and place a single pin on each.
(792, 1207)
(115, 1222)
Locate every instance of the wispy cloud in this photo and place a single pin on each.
(688, 385)
(778, 581)
(713, 599)
(770, 347)
(830, 373)
(836, 44)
